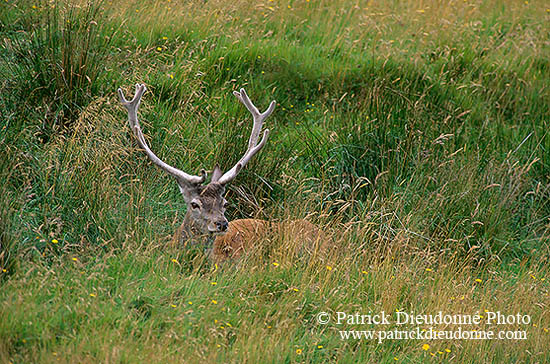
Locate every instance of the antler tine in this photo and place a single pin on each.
(253, 145)
(132, 107)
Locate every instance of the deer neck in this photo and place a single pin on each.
(192, 233)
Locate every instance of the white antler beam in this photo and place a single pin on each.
(132, 107)
(253, 145)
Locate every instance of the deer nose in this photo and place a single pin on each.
(222, 225)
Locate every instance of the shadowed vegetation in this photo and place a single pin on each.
(415, 133)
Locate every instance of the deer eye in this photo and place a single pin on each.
(194, 205)
(225, 205)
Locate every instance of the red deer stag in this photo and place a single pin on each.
(205, 222)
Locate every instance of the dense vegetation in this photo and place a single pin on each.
(416, 133)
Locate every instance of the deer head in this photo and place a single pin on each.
(205, 202)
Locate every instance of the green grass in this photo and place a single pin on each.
(415, 133)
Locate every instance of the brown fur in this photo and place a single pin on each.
(212, 191)
(243, 235)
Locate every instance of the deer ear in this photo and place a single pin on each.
(216, 173)
(189, 191)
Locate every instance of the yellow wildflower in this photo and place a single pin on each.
(426, 347)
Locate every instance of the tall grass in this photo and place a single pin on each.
(54, 59)
(413, 133)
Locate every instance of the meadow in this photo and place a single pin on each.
(415, 133)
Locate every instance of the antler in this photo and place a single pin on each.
(253, 145)
(132, 107)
